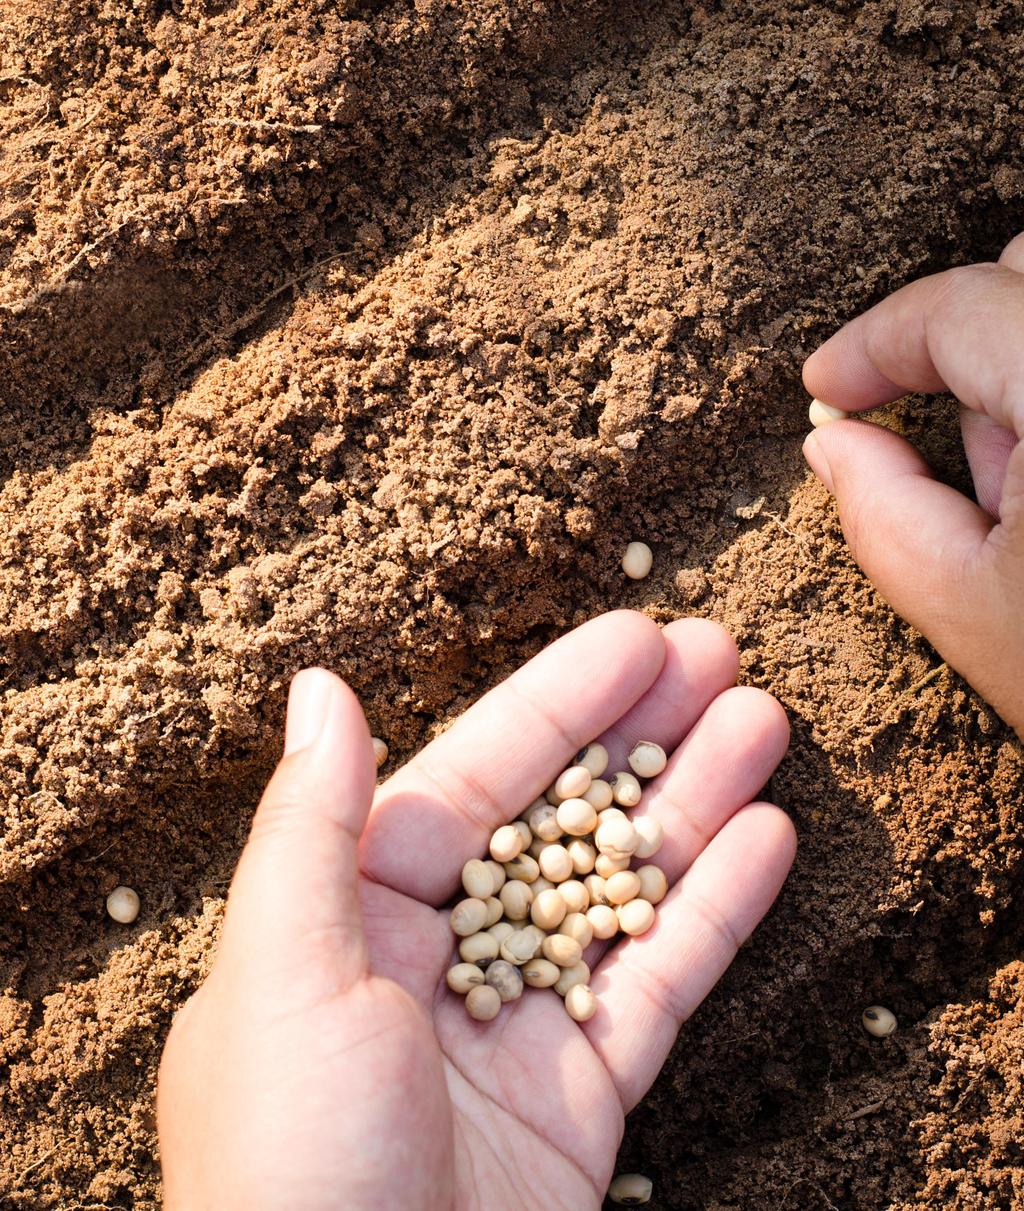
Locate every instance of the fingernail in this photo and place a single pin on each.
(309, 701)
(815, 455)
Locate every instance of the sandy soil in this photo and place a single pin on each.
(368, 333)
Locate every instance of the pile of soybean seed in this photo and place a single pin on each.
(557, 878)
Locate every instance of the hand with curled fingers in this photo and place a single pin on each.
(324, 1064)
(952, 567)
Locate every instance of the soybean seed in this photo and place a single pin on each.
(579, 973)
(468, 917)
(879, 1021)
(647, 759)
(477, 879)
(380, 751)
(524, 868)
(541, 884)
(608, 865)
(573, 782)
(516, 897)
(583, 856)
(595, 889)
(123, 905)
(651, 836)
(495, 911)
(593, 758)
(564, 951)
(535, 847)
(464, 976)
(541, 973)
(630, 1190)
(519, 947)
(506, 843)
(575, 895)
(497, 874)
(502, 930)
(604, 921)
(483, 1003)
(824, 414)
(504, 977)
(653, 884)
(576, 817)
(556, 863)
(635, 917)
(479, 948)
(616, 837)
(551, 797)
(625, 789)
(598, 794)
(577, 927)
(543, 823)
(580, 1002)
(622, 887)
(523, 829)
(637, 560)
(548, 910)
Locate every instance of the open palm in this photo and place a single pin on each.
(324, 1064)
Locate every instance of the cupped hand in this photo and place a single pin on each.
(324, 1064)
(952, 567)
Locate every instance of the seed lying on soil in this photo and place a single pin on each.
(879, 1021)
(123, 905)
(580, 1003)
(824, 414)
(630, 1190)
(464, 976)
(380, 751)
(637, 561)
(483, 1003)
(647, 759)
(504, 977)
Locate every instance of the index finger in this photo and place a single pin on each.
(959, 331)
(441, 808)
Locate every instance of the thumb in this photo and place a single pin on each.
(293, 918)
(936, 557)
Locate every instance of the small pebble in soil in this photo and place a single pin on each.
(824, 414)
(123, 905)
(878, 1021)
(380, 751)
(637, 561)
(631, 1190)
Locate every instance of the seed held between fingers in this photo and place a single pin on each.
(380, 751)
(824, 414)
(483, 1003)
(630, 1190)
(647, 759)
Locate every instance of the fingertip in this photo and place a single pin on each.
(817, 459)
(704, 640)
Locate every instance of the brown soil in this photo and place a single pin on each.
(368, 333)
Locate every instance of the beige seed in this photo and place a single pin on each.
(525, 836)
(497, 874)
(502, 930)
(477, 879)
(583, 856)
(595, 889)
(556, 863)
(630, 1190)
(483, 1003)
(879, 1021)
(653, 884)
(579, 973)
(380, 751)
(594, 759)
(637, 560)
(824, 414)
(577, 927)
(622, 887)
(548, 910)
(464, 976)
(537, 847)
(564, 951)
(604, 921)
(537, 932)
(651, 835)
(505, 978)
(647, 759)
(516, 898)
(478, 948)
(123, 905)
(468, 917)
(580, 1002)
(524, 868)
(598, 794)
(544, 823)
(573, 782)
(626, 789)
(635, 917)
(616, 837)
(608, 865)
(541, 973)
(576, 817)
(541, 884)
(519, 947)
(575, 895)
(551, 797)
(507, 844)
(495, 911)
